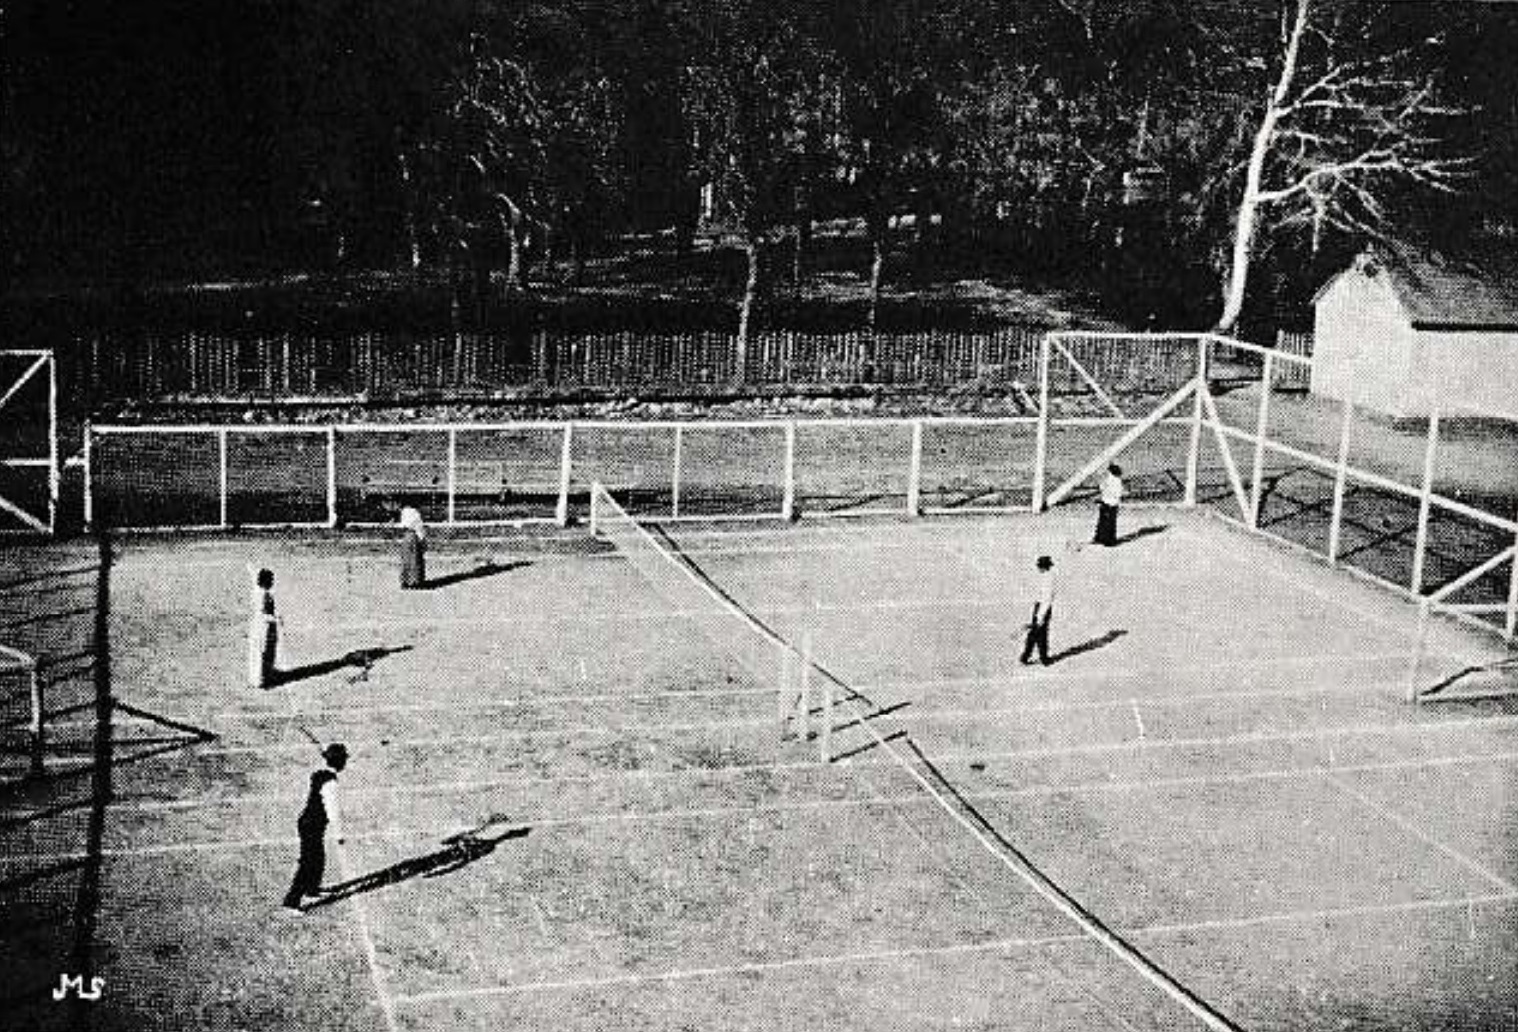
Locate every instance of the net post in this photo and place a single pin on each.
(221, 476)
(1425, 500)
(89, 477)
(331, 476)
(788, 500)
(674, 477)
(453, 474)
(1261, 429)
(1041, 440)
(561, 510)
(37, 744)
(1194, 452)
(805, 687)
(53, 478)
(1341, 468)
(784, 697)
(914, 472)
(595, 508)
(825, 732)
(1420, 645)
(1510, 626)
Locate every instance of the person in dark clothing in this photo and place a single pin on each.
(1043, 612)
(321, 809)
(263, 633)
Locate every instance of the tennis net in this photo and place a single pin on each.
(765, 651)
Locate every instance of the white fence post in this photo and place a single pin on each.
(1261, 430)
(1511, 626)
(53, 479)
(89, 478)
(561, 511)
(453, 473)
(221, 475)
(674, 476)
(1425, 500)
(1041, 440)
(788, 499)
(1340, 471)
(1194, 453)
(914, 472)
(331, 476)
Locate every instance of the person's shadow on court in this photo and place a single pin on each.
(361, 660)
(1142, 532)
(488, 568)
(458, 851)
(1090, 645)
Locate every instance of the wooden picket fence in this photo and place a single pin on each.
(253, 366)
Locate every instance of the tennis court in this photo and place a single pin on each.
(1219, 773)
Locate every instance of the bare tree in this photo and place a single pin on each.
(1339, 129)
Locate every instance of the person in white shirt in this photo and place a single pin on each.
(413, 549)
(1106, 512)
(321, 809)
(1043, 612)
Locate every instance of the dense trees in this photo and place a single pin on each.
(1151, 142)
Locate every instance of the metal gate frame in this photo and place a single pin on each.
(42, 361)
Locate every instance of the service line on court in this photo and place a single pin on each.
(569, 985)
(1028, 679)
(1413, 829)
(721, 813)
(942, 715)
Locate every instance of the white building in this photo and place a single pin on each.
(1397, 331)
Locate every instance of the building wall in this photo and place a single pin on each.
(1362, 344)
(1473, 369)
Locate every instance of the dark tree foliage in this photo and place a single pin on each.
(177, 139)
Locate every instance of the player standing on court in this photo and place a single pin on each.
(263, 633)
(321, 809)
(1106, 512)
(1043, 612)
(413, 549)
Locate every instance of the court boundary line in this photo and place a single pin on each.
(426, 998)
(939, 717)
(1015, 755)
(799, 806)
(1412, 828)
(1039, 676)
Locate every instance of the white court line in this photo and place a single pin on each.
(1083, 749)
(1411, 828)
(882, 956)
(570, 700)
(1401, 627)
(746, 811)
(943, 715)
(366, 937)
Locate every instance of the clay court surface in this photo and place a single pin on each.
(1220, 766)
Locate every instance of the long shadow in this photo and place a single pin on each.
(1087, 646)
(486, 569)
(458, 851)
(1452, 680)
(1148, 530)
(359, 659)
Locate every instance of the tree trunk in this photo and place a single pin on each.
(745, 313)
(1247, 225)
(413, 240)
(876, 226)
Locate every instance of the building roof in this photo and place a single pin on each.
(1442, 293)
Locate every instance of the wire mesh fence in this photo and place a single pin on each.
(1191, 419)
